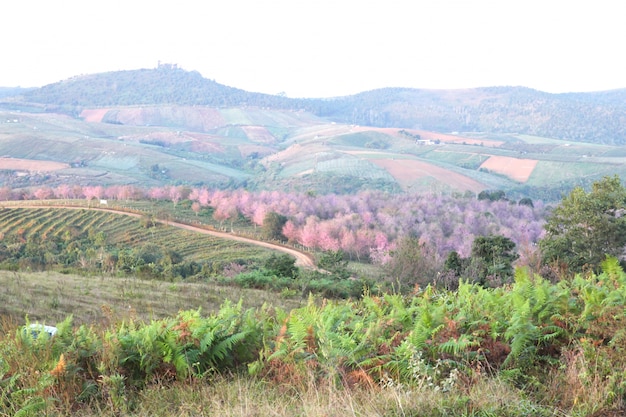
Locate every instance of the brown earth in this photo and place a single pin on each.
(514, 168)
(16, 164)
(406, 171)
(93, 115)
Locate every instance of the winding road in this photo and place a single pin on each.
(303, 259)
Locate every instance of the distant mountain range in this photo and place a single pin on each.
(596, 117)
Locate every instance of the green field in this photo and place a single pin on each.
(195, 146)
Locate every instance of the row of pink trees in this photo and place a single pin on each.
(365, 225)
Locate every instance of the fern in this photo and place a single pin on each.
(459, 346)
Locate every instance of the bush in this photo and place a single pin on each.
(281, 265)
(262, 280)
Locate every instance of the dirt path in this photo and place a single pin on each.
(303, 259)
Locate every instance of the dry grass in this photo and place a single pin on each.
(243, 396)
(50, 297)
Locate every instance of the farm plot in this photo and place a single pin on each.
(552, 172)
(16, 164)
(37, 223)
(93, 115)
(469, 160)
(514, 168)
(408, 172)
(353, 167)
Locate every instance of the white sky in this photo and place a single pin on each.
(322, 48)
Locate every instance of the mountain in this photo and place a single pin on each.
(166, 84)
(581, 117)
(597, 117)
(166, 125)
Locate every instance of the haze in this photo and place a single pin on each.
(322, 48)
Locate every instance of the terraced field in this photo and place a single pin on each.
(125, 229)
(193, 242)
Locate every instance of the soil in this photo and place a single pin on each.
(16, 164)
(407, 171)
(514, 168)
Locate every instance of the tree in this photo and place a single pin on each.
(526, 202)
(492, 259)
(492, 195)
(281, 265)
(334, 261)
(413, 262)
(272, 228)
(587, 226)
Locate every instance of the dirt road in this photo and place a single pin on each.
(303, 259)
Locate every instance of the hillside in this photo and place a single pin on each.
(580, 117)
(596, 117)
(170, 126)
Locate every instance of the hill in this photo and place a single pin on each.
(582, 117)
(596, 117)
(170, 126)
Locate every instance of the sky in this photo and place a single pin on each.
(322, 48)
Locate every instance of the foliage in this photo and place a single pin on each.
(281, 265)
(413, 262)
(532, 333)
(587, 226)
(263, 279)
(273, 224)
(334, 262)
(526, 201)
(492, 195)
(492, 256)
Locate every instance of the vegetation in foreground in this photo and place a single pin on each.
(544, 347)
(530, 348)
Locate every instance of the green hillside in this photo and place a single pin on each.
(170, 126)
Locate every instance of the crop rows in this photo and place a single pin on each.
(120, 229)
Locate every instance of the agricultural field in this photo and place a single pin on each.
(278, 149)
(16, 164)
(50, 226)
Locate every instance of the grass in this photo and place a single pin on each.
(244, 396)
(575, 386)
(51, 296)
(551, 172)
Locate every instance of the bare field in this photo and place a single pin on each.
(17, 164)
(93, 115)
(406, 171)
(514, 168)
